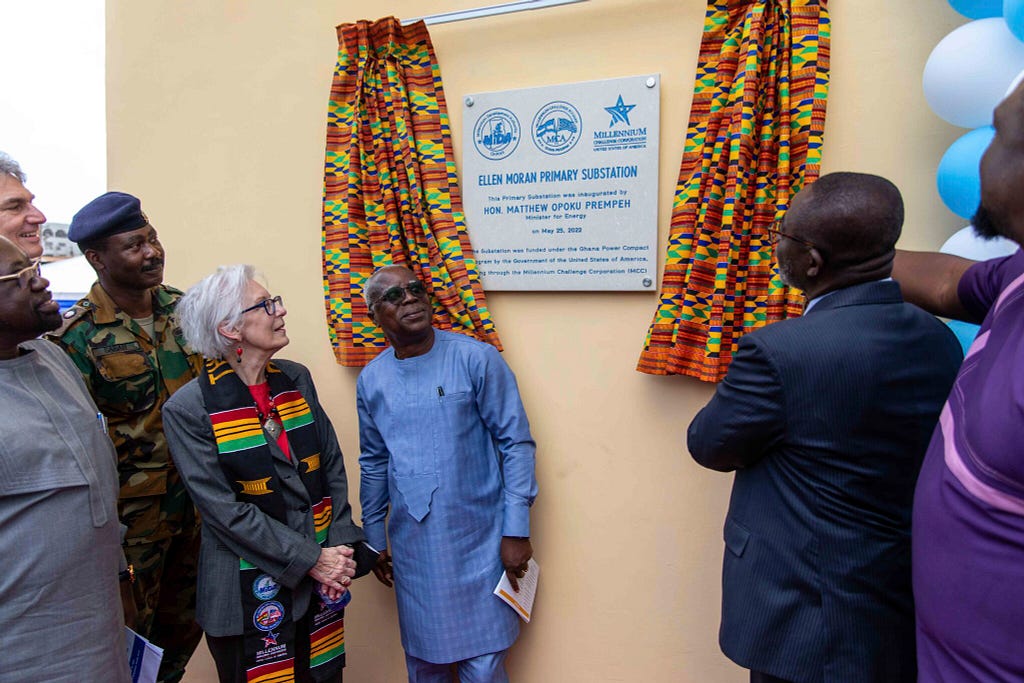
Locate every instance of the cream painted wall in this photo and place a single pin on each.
(216, 114)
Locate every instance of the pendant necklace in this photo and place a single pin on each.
(270, 422)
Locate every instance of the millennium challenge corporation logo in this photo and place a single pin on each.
(616, 138)
(496, 134)
(557, 127)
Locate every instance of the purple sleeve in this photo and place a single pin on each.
(983, 282)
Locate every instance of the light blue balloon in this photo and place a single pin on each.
(958, 177)
(965, 333)
(978, 9)
(1013, 13)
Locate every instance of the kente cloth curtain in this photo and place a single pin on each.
(391, 193)
(753, 140)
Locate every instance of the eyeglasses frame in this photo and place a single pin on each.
(35, 267)
(776, 234)
(269, 305)
(402, 288)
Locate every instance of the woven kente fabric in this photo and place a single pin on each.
(391, 193)
(753, 140)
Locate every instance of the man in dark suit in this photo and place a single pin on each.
(825, 419)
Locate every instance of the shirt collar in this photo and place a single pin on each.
(106, 310)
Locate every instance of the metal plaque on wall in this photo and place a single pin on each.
(561, 185)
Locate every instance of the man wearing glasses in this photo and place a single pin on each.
(58, 501)
(125, 340)
(445, 447)
(825, 419)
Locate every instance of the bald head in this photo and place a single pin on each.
(852, 217)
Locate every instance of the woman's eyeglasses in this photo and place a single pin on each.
(269, 306)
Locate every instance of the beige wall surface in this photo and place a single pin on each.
(216, 120)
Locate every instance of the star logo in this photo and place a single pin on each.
(270, 639)
(620, 112)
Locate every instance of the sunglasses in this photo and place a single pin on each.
(269, 306)
(26, 274)
(395, 295)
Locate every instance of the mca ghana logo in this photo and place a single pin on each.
(557, 127)
(268, 616)
(496, 134)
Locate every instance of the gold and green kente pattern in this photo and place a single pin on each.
(391, 191)
(754, 139)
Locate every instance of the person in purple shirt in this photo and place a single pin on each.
(968, 523)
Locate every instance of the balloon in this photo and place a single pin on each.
(967, 244)
(965, 333)
(958, 178)
(1013, 13)
(969, 70)
(978, 9)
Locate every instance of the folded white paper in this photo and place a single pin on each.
(143, 657)
(521, 601)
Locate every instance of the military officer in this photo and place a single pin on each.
(125, 340)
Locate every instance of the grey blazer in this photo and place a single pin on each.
(231, 529)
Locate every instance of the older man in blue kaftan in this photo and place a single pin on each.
(446, 447)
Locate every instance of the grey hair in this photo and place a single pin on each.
(217, 299)
(373, 288)
(9, 166)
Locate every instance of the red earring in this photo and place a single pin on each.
(238, 351)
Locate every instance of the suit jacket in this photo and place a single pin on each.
(826, 419)
(230, 529)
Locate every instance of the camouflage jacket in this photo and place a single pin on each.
(131, 376)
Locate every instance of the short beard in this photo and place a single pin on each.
(786, 275)
(985, 226)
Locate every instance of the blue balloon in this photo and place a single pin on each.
(958, 177)
(978, 9)
(1013, 13)
(965, 333)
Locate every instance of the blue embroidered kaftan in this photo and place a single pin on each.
(446, 446)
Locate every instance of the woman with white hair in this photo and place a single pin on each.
(261, 460)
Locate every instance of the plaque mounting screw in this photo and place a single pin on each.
(647, 282)
(469, 101)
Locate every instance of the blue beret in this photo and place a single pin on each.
(108, 214)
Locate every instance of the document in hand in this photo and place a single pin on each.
(143, 657)
(522, 601)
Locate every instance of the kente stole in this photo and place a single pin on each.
(247, 461)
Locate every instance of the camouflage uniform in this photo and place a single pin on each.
(131, 377)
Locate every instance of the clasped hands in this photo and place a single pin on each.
(334, 570)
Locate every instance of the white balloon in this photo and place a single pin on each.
(967, 244)
(968, 72)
